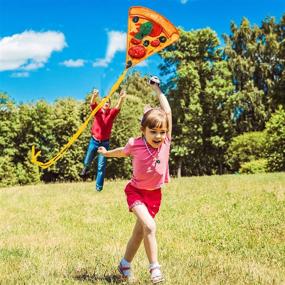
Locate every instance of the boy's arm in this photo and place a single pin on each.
(164, 105)
(123, 95)
(95, 93)
(117, 152)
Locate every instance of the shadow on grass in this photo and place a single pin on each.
(84, 275)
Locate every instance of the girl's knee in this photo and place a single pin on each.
(150, 227)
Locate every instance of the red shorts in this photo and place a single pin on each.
(150, 198)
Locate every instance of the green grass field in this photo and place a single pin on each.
(211, 230)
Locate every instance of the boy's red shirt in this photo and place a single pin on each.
(103, 122)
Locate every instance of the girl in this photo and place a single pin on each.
(150, 155)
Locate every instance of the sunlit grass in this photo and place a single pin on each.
(211, 230)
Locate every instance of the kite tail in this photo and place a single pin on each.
(47, 164)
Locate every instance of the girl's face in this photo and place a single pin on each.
(156, 136)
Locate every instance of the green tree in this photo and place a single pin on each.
(9, 125)
(275, 141)
(217, 110)
(245, 148)
(256, 59)
(273, 57)
(65, 123)
(199, 87)
(35, 129)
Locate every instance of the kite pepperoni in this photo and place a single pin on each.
(137, 51)
(135, 41)
(155, 43)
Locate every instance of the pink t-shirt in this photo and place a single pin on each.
(147, 173)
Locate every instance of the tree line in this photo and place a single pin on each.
(228, 111)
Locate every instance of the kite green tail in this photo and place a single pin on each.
(47, 164)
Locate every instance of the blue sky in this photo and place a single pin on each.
(57, 48)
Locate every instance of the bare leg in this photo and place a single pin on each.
(149, 230)
(134, 242)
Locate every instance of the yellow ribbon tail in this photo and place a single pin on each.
(47, 164)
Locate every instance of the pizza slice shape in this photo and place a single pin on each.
(148, 33)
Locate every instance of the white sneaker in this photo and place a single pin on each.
(156, 275)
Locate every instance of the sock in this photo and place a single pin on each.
(153, 265)
(125, 263)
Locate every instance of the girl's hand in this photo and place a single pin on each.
(102, 150)
(156, 88)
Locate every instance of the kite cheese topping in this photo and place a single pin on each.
(148, 33)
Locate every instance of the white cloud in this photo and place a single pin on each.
(33, 65)
(73, 63)
(116, 43)
(20, 74)
(101, 62)
(29, 50)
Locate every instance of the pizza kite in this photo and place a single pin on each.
(148, 33)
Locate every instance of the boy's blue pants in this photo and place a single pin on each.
(102, 161)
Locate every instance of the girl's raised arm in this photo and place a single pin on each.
(164, 105)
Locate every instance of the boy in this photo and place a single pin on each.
(100, 135)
